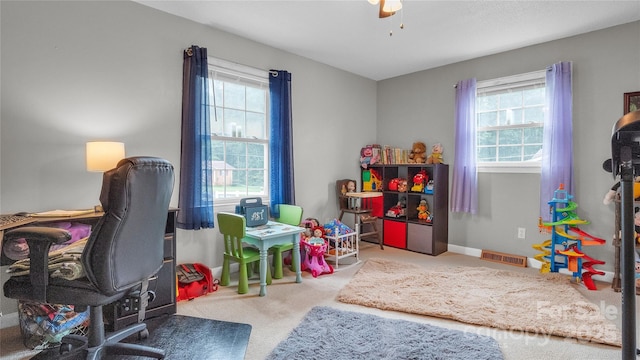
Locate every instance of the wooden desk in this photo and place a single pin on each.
(274, 233)
(124, 312)
(89, 219)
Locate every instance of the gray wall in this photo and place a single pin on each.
(606, 64)
(77, 71)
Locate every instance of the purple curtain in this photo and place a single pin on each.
(557, 139)
(464, 193)
(196, 179)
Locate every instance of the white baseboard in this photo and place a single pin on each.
(532, 263)
(9, 320)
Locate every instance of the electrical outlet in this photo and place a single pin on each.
(521, 233)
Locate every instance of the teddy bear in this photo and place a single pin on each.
(418, 153)
(436, 154)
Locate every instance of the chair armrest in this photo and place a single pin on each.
(39, 240)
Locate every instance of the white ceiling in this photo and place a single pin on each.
(349, 35)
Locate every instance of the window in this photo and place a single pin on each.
(240, 132)
(510, 119)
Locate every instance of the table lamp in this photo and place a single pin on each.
(103, 155)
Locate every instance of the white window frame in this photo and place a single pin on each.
(243, 75)
(502, 84)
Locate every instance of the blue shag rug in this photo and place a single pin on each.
(327, 333)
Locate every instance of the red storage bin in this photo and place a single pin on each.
(395, 233)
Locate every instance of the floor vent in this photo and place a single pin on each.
(494, 256)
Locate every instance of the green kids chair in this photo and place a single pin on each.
(233, 228)
(290, 215)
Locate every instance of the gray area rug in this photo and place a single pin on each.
(327, 333)
(516, 301)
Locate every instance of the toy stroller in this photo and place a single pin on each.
(314, 257)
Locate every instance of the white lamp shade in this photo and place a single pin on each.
(374, 2)
(104, 155)
(392, 5)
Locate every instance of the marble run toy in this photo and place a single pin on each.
(544, 256)
(564, 249)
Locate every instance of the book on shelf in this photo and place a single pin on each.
(393, 155)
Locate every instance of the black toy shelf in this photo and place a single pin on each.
(405, 189)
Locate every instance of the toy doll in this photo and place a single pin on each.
(368, 157)
(313, 260)
(351, 186)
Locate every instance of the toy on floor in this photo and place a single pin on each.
(315, 247)
(565, 248)
(309, 224)
(333, 229)
(343, 243)
(334, 225)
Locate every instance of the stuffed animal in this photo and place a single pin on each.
(611, 194)
(402, 185)
(368, 157)
(418, 153)
(436, 154)
(423, 210)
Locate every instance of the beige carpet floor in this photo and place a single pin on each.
(515, 301)
(287, 302)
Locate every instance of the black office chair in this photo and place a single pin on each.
(124, 250)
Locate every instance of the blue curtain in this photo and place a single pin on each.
(464, 192)
(196, 186)
(281, 181)
(557, 139)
